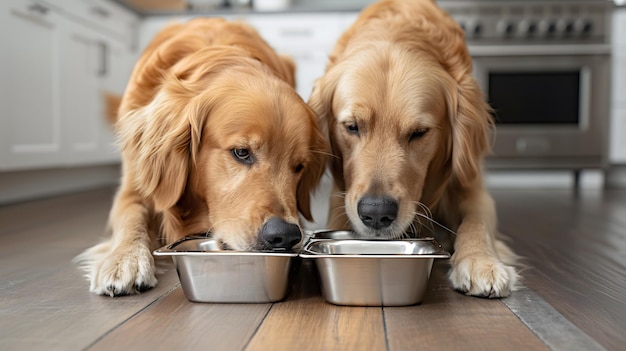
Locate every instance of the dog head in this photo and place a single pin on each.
(224, 133)
(404, 122)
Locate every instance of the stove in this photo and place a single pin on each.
(544, 66)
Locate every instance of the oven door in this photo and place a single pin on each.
(550, 111)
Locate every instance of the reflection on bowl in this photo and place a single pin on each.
(373, 272)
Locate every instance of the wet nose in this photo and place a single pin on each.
(377, 212)
(277, 233)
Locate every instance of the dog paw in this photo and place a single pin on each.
(124, 272)
(483, 276)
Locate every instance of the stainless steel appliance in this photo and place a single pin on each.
(544, 66)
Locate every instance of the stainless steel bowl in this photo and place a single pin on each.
(208, 274)
(374, 272)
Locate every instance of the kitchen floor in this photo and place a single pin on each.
(573, 244)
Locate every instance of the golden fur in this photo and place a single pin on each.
(406, 121)
(200, 91)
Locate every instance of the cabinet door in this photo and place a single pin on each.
(31, 123)
(120, 60)
(93, 66)
(81, 53)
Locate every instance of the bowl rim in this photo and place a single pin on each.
(170, 250)
(439, 253)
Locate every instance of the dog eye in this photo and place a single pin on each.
(242, 155)
(299, 168)
(352, 128)
(418, 133)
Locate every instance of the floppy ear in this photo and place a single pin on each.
(155, 141)
(471, 120)
(321, 101)
(315, 167)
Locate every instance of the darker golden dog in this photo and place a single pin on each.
(409, 127)
(214, 139)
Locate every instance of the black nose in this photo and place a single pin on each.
(277, 233)
(377, 212)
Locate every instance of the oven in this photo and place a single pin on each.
(544, 67)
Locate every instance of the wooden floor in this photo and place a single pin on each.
(575, 249)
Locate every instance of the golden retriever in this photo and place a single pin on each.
(408, 127)
(214, 139)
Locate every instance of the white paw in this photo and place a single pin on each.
(482, 276)
(125, 271)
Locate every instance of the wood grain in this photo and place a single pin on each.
(309, 322)
(174, 323)
(575, 248)
(573, 245)
(43, 236)
(57, 312)
(448, 320)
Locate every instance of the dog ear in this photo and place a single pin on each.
(155, 141)
(321, 101)
(471, 120)
(315, 168)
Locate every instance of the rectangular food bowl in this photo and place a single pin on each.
(208, 274)
(373, 272)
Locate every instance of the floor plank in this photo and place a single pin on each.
(449, 320)
(174, 323)
(59, 313)
(306, 320)
(46, 303)
(575, 248)
(40, 237)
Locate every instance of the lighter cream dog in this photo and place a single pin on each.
(409, 128)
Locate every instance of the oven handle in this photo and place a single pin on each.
(539, 50)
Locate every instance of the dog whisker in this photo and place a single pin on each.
(323, 153)
(432, 221)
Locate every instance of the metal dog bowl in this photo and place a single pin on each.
(374, 272)
(208, 274)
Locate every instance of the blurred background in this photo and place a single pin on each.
(555, 72)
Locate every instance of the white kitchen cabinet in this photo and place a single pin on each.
(57, 64)
(93, 65)
(30, 128)
(307, 38)
(617, 151)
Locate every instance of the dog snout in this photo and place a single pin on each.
(377, 212)
(276, 233)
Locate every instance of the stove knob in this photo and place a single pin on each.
(527, 27)
(552, 28)
(565, 27)
(583, 27)
(505, 28)
(475, 28)
(547, 27)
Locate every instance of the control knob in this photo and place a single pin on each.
(528, 27)
(547, 27)
(473, 28)
(505, 28)
(565, 27)
(583, 26)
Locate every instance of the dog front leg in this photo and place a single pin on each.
(477, 266)
(127, 266)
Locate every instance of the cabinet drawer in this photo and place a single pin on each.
(287, 31)
(105, 16)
